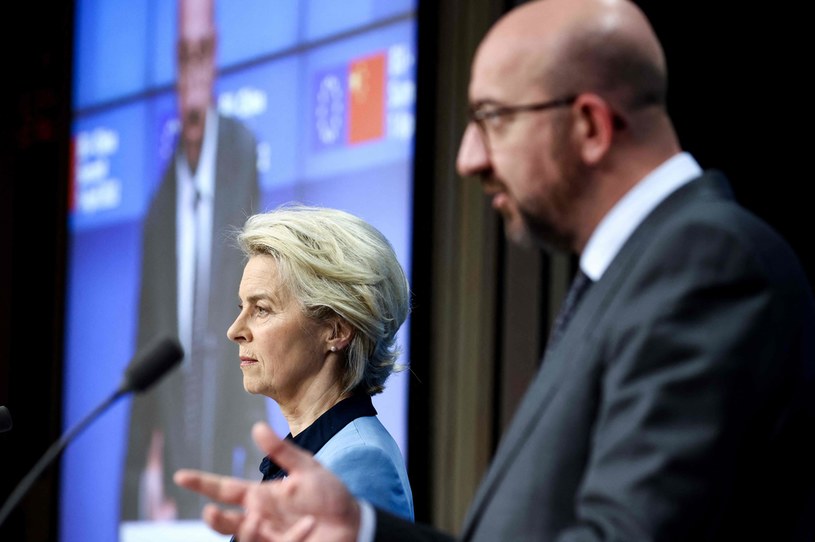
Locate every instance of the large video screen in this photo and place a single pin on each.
(307, 101)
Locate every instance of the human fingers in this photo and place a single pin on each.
(220, 488)
(255, 529)
(222, 521)
(288, 456)
(300, 530)
(258, 529)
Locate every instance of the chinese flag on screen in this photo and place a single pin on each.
(366, 85)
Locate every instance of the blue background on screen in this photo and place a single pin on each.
(271, 57)
(127, 48)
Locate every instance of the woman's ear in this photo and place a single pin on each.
(341, 334)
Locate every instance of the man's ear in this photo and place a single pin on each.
(596, 123)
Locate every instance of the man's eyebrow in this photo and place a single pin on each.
(484, 102)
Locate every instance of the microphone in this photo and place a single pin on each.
(144, 370)
(5, 419)
(149, 366)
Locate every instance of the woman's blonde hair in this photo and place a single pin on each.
(335, 263)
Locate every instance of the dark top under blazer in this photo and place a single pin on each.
(678, 404)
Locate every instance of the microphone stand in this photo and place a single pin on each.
(52, 452)
(144, 370)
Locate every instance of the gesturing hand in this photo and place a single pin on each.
(309, 505)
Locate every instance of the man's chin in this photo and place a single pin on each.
(518, 234)
(193, 138)
(192, 128)
(525, 239)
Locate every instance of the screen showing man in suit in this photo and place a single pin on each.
(678, 401)
(200, 414)
(188, 117)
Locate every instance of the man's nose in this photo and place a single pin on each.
(473, 153)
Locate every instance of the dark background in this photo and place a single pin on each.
(34, 162)
(738, 95)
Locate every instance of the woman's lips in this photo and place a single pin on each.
(246, 361)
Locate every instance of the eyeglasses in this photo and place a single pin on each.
(491, 117)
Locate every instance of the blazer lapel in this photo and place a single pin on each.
(534, 403)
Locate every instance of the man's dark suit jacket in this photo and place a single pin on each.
(236, 197)
(678, 404)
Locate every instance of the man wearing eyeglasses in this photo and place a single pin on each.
(675, 400)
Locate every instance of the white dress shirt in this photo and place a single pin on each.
(627, 214)
(194, 195)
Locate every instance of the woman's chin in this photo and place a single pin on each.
(252, 386)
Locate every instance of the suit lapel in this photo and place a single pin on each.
(537, 397)
(228, 193)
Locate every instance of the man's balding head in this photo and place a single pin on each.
(570, 114)
(571, 46)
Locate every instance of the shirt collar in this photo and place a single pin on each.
(314, 437)
(627, 214)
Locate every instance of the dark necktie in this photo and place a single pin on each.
(580, 284)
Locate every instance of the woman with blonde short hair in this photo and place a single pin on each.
(321, 300)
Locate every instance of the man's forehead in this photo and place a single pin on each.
(195, 20)
(503, 70)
